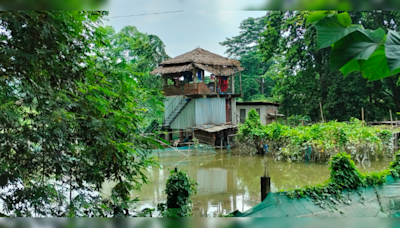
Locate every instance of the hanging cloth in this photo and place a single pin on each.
(223, 83)
(199, 75)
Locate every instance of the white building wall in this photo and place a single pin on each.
(264, 110)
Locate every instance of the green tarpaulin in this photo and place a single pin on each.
(377, 201)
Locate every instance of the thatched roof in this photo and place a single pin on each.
(199, 55)
(200, 59)
(172, 69)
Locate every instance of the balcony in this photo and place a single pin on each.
(171, 90)
(199, 88)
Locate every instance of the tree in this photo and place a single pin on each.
(244, 48)
(66, 125)
(305, 78)
(140, 53)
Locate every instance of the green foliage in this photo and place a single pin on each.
(252, 127)
(395, 165)
(179, 188)
(304, 78)
(252, 131)
(344, 173)
(327, 139)
(241, 47)
(371, 52)
(139, 54)
(68, 118)
(344, 176)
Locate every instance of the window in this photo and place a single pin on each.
(242, 115)
(258, 111)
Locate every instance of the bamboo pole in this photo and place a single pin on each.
(215, 83)
(391, 118)
(322, 115)
(362, 115)
(233, 84)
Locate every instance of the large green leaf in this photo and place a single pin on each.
(351, 66)
(344, 19)
(333, 28)
(392, 49)
(375, 67)
(356, 45)
(316, 16)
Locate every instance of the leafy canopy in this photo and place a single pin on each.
(68, 118)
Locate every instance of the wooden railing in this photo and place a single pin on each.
(197, 88)
(171, 90)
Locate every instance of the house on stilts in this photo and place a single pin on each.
(200, 105)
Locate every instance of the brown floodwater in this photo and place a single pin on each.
(228, 183)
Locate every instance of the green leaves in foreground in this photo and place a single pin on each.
(354, 48)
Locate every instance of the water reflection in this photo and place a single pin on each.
(228, 183)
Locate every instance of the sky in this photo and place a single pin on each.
(203, 23)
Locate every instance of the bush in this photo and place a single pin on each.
(180, 187)
(326, 140)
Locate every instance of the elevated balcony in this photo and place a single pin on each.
(198, 89)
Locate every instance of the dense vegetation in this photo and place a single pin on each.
(281, 56)
(319, 141)
(344, 176)
(70, 110)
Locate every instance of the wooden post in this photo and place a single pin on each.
(391, 118)
(302, 123)
(232, 84)
(240, 82)
(181, 135)
(362, 115)
(165, 77)
(194, 72)
(276, 117)
(265, 186)
(215, 83)
(322, 115)
(170, 135)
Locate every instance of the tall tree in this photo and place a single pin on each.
(66, 125)
(141, 53)
(244, 48)
(308, 80)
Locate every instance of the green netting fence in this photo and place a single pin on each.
(376, 201)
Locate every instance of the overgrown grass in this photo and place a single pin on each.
(323, 140)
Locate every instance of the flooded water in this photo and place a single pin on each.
(228, 183)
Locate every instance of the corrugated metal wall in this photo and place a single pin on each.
(186, 118)
(210, 111)
(197, 112)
